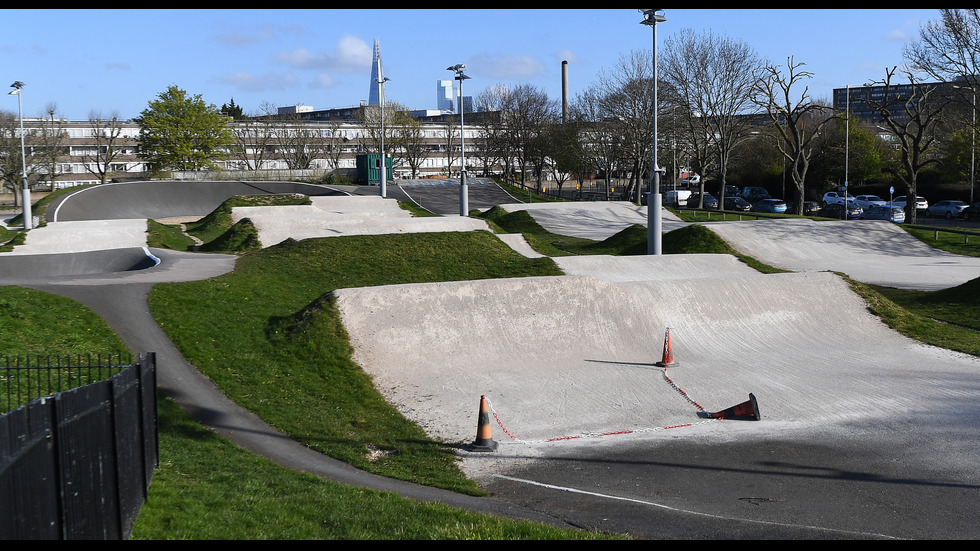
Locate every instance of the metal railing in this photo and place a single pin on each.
(23, 380)
(77, 464)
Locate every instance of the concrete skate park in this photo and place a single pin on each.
(862, 433)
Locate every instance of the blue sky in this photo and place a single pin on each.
(116, 61)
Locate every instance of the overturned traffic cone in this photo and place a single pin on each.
(748, 410)
(668, 356)
(484, 442)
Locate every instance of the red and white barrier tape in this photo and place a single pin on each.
(610, 433)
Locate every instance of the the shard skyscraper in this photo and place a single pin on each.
(373, 96)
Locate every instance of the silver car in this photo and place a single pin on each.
(884, 212)
(920, 203)
(950, 208)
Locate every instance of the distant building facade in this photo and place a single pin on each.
(334, 134)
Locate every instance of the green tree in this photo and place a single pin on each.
(232, 110)
(181, 132)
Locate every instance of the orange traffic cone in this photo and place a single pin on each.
(748, 410)
(484, 441)
(668, 356)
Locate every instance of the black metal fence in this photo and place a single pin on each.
(23, 380)
(77, 464)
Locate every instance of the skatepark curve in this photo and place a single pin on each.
(568, 363)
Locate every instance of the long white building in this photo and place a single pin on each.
(333, 139)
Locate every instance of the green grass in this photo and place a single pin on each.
(168, 236)
(37, 328)
(218, 223)
(208, 488)
(948, 318)
(269, 335)
(528, 195)
(950, 242)
(691, 239)
(33, 323)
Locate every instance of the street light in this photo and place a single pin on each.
(384, 162)
(654, 219)
(28, 222)
(463, 192)
(973, 139)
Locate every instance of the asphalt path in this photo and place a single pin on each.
(115, 285)
(892, 469)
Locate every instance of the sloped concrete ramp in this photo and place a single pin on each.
(871, 251)
(164, 199)
(575, 355)
(591, 220)
(345, 215)
(83, 235)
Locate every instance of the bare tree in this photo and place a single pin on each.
(715, 78)
(602, 141)
(253, 139)
(11, 167)
(410, 138)
(526, 112)
(495, 148)
(797, 120)
(912, 117)
(10, 173)
(626, 100)
(450, 140)
(949, 49)
(298, 144)
(51, 139)
(106, 135)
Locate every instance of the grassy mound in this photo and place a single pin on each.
(243, 236)
(219, 221)
(269, 335)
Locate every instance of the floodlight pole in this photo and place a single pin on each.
(654, 215)
(464, 209)
(25, 190)
(384, 161)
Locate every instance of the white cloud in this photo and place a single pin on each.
(322, 80)
(567, 55)
(262, 33)
(350, 55)
(507, 66)
(249, 82)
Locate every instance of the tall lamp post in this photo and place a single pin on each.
(464, 209)
(973, 139)
(26, 191)
(384, 161)
(973, 145)
(654, 218)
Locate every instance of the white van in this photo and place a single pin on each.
(676, 198)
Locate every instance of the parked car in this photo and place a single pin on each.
(677, 198)
(732, 191)
(834, 197)
(810, 208)
(737, 203)
(972, 212)
(884, 212)
(920, 203)
(950, 208)
(755, 194)
(710, 202)
(865, 201)
(837, 210)
(770, 205)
